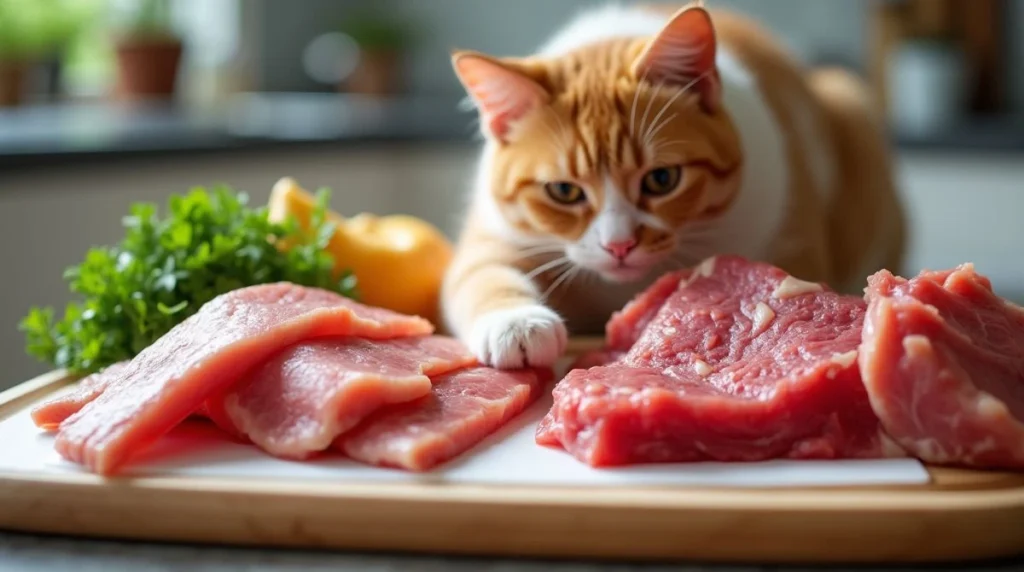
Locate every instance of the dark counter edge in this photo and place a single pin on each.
(15, 162)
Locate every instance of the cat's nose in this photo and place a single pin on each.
(620, 248)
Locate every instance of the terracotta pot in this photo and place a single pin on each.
(13, 77)
(147, 68)
(376, 74)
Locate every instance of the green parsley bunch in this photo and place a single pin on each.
(166, 268)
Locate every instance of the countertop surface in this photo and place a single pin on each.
(22, 553)
(44, 134)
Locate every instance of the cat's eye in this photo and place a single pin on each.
(661, 181)
(565, 193)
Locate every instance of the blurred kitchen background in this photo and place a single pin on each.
(106, 102)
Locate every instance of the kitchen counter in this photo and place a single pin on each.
(66, 134)
(23, 553)
(45, 135)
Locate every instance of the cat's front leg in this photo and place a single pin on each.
(491, 305)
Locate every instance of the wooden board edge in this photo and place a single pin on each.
(835, 501)
(538, 527)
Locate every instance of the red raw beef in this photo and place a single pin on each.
(209, 351)
(943, 362)
(465, 407)
(594, 358)
(741, 362)
(298, 402)
(625, 326)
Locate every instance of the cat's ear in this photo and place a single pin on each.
(683, 55)
(502, 91)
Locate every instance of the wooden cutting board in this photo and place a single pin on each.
(960, 515)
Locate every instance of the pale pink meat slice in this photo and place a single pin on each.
(300, 400)
(464, 408)
(942, 359)
(206, 353)
(50, 414)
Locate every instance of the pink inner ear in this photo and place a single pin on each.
(683, 51)
(501, 94)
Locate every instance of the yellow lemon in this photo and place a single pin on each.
(398, 260)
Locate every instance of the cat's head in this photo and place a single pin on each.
(614, 152)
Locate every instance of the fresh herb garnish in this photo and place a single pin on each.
(167, 267)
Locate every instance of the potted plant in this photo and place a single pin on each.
(382, 43)
(20, 43)
(33, 38)
(13, 66)
(60, 24)
(148, 54)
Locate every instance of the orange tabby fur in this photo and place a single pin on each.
(592, 117)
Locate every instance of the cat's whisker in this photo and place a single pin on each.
(654, 132)
(647, 108)
(566, 132)
(556, 263)
(528, 255)
(674, 97)
(658, 144)
(636, 99)
(557, 131)
(567, 274)
(658, 147)
(541, 249)
(522, 257)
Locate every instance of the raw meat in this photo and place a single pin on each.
(625, 326)
(943, 362)
(300, 400)
(215, 409)
(50, 414)
(594, 358)
(465, 407)
(206, 353)
(741, 362)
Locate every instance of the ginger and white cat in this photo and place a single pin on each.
(637, 141)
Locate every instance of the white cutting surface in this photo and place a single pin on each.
(508, 457)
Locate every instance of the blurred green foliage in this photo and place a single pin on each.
(38, 28)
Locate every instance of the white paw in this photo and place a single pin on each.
(518, 337)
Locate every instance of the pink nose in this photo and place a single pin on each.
(621, 248)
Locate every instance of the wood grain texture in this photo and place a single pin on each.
(962, 515)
